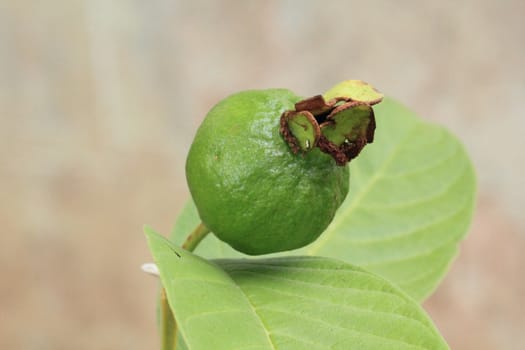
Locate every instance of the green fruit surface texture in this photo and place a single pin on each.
(250, 190)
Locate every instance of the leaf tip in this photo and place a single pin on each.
(148, 230)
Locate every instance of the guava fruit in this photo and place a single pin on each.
(252, 187)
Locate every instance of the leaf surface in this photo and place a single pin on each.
(410, 203)
(287, 303)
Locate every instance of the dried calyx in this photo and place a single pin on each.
(341, 122)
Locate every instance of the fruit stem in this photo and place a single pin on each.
(195, 237)
(168, 326)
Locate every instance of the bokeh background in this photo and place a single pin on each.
(99, 101)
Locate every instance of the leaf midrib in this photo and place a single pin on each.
(348, 307)
(254, 310)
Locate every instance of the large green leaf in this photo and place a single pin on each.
(287, 303)
(411, 200)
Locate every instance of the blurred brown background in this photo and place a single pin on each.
(99, 101)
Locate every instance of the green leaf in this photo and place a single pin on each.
(410, 203)
(287, 303)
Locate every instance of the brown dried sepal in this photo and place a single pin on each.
(323, 111)
(300, 142)
(342, 154)
(315, 105)
(348, 150)
(355, 91)
(371, 125)
(286, 133)
(316, 108)
(327, 147)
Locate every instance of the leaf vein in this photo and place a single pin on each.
(325, 286)
(421, 200)
(348, 329)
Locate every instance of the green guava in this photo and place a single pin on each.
(250, 189)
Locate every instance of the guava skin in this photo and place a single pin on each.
(250, 190)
